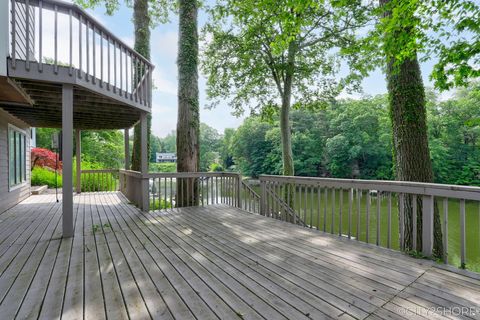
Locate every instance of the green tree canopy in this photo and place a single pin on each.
(264, 54)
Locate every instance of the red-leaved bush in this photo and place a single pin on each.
(45, 158)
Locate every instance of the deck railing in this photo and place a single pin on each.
(49, 34)
(172, 190)
(99, 180)
(249, 198)
(375, 211)
(361, 210)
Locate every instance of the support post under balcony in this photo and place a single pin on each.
(144, 161)
(67, 155)
(78, 158)
(127, 148)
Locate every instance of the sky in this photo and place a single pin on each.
(163, 55)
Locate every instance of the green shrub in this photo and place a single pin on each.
(44, 176)
(160, 204)
(163, 167)
(215, 167)
(98, 181)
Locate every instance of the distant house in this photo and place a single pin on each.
(166, 157)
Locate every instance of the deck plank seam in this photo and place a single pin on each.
(63, 240)
(107, 216)
(126, 260)
(26, 260)
(41, 217)
(308, 255)
(138, 213)
(400, 292)
(136, 236)
(226, 262)
(31, 256)
(98, 259)
(143, 230)
(288, 279)
(117, 279)
(364, 246)
(301, 311)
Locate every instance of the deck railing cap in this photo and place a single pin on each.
(422, 188)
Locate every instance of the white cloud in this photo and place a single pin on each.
(165, 82)
(129, 41)
(165, 45)
(164, 119)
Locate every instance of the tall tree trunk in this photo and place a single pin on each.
(285, 130)
(141, 21)
(188, 122)
(407, 108)
(288, 166)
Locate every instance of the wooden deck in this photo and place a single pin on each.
(211, 262)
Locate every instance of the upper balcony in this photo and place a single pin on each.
(49, 43)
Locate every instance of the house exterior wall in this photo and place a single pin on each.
(9, 198)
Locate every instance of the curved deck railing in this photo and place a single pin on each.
(48, 35)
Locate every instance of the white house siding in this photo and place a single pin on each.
(9, 198)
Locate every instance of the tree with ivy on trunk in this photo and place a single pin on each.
(273, 55)
(188, 121)
(406, 29)
(141, 22)
(146, 14)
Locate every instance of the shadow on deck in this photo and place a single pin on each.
(208, 263)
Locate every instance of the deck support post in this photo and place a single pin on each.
(78, 158)
(67, 155)
(127, 148)
(263, 198)
(427, 225)
(144, 162)
(239, 191)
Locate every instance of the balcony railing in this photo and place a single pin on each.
(50, 35)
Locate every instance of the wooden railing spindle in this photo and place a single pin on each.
(367, 231)
(389, 221)
(332, 226)
(40, 35)
(414, 222)
(340, 218)
(27, 27)
(13, 54)
(463, 250)
(445, 229)
(70, 42)
(350, 206)
(319, 205)
(378, 218)
(359, 213)
(55, 37)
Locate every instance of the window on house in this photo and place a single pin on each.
(17, 159)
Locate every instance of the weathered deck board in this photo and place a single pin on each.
(212, 262)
